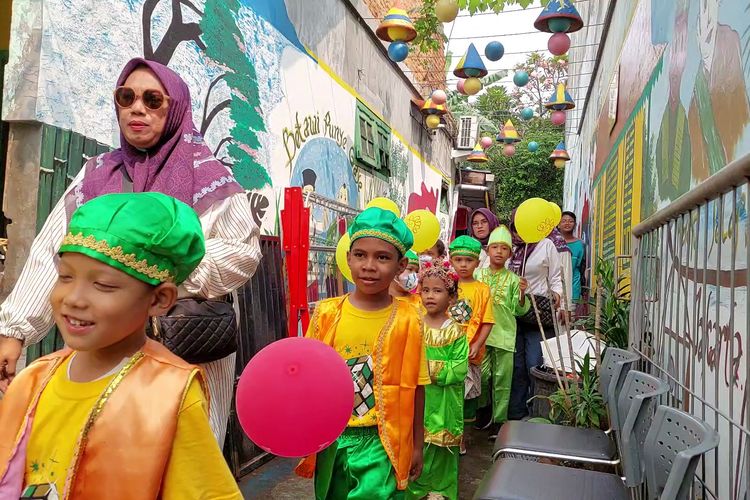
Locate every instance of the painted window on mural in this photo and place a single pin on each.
(373, 141)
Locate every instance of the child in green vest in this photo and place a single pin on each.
(508, 301)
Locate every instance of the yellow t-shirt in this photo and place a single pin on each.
(356, 335)
(478, 295)
(196, 467)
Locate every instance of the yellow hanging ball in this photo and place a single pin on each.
(342, 248)
(559, 163)
(432, 121)
(472, 85)
(398, 33)
(446, 10)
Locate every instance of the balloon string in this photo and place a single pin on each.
(523, 262)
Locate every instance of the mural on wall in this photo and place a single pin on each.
(270, 112)
(683, 113)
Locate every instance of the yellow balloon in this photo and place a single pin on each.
(432, 121)
(535, 219)
(472, 85)
(425, 227)
(385, 204)
(446, 10)
(342, 248)
(557, 210)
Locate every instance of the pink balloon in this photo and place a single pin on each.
(509, 150)
(486, 142)
(295, 397)
(557, 117)
(558, 44)
(460, 86)
(439, 97)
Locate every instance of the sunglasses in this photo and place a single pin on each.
(153, 99)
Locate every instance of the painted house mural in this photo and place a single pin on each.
(271, 111)
(681, 70)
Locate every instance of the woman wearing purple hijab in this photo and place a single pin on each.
(481, 223)
(160, 150)
(542, 264)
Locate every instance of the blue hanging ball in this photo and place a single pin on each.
(494, 51)
(521, 78)
(527, 113)
(397, 51)
(533, 146)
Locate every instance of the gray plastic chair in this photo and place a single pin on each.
(671, 450)
(637, 404)
(572, 443)
(673, 447)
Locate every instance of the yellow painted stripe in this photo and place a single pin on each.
(354, 93)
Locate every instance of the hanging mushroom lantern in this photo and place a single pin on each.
(559, 17)
(398, 29)
(477, 155)
(472, 68)
(433, 111)
(559, 156)
(559, 102)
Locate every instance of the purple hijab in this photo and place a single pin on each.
(180, 165)
(491, 219)
(522, 250)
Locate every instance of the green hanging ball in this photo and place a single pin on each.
(559, 24)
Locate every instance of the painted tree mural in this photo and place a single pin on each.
(218, 35)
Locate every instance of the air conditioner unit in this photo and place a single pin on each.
(468, 126)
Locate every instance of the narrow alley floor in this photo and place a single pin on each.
(276, 479)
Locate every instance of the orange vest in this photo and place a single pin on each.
(396, 360)
(123, 450)
(482, 296)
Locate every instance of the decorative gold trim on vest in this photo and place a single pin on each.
(378, 379)
(439, 337)
(434, 366)
(95, 412)
(374, 233)
(117, 254)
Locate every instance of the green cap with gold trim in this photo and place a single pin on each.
(465, 246)
(150, 236)
(375, 222)
(413, 257)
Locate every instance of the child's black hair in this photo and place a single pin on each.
(440, 247)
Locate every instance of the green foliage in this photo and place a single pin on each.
(226, 46)
(430, 29)
(526, 174)
(614, 316)
(581, 405)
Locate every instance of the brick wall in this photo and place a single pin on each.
(427, 70)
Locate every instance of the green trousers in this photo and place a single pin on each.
(355, 467)
(439, 474)
(497, 376)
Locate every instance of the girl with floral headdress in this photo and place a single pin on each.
(447, 352)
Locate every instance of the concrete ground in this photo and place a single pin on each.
(276, 479)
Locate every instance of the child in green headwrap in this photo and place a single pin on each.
(508, 301)
(114, 414)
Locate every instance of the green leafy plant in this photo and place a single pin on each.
(581, 404)
(614, 315)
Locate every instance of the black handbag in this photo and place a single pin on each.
(198, 330)
(546, 315)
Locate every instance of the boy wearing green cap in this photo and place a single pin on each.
(380, 339)
(477, 319)
(508, 301)
(74, 423)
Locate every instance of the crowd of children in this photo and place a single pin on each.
(429, 340)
